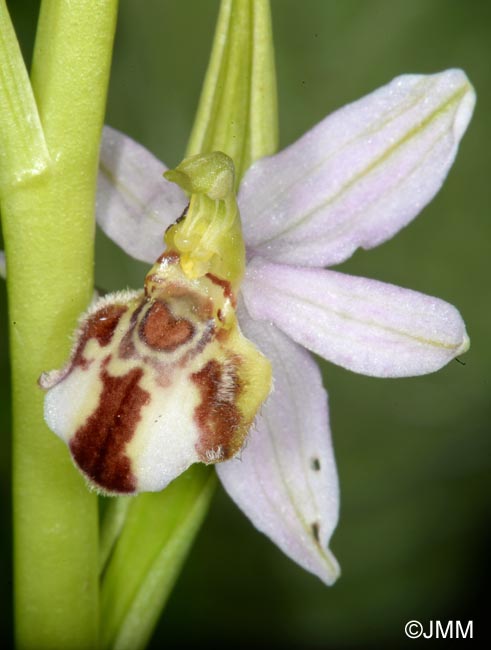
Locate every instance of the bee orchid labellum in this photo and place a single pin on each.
(161, 378)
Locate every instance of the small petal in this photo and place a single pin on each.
(3, 266)
(364, 325)
(285, 478)
(135, 204)
(360, 175)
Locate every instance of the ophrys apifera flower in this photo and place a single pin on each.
(164, 378)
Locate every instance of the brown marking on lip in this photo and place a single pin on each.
(208, 335)
(176, 290)
(202, 307)
(199, 304)
(99, 326)
(153, 280)
(150, 280)
(162, 331)
(98, 446)
(127, 345)
(171, 257)
(217, 416)
(223, 335)
(226, 286)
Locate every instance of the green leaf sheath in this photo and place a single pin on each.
(146, 561)
(48, 177)
(237, 112)
(23, 150)
(113, 513)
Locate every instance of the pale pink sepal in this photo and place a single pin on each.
(3, 265)
(285, 478)
(360, 175)
(135, 204)
(364, 325)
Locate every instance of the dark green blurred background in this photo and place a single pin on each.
(413, 454)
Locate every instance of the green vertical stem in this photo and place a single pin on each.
(48, 227)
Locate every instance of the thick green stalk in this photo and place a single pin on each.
(48, 227)
(238, 112)
(237, 115)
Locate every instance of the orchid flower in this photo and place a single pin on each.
(354, 180)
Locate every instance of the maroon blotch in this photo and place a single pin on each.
(127, 346)
(219, 419)
(99, 326)
(226, 286)
(98, 446)
(161, 331)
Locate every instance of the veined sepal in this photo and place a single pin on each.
(157, 380)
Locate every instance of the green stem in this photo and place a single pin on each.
(48, 228)
(238, 112)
